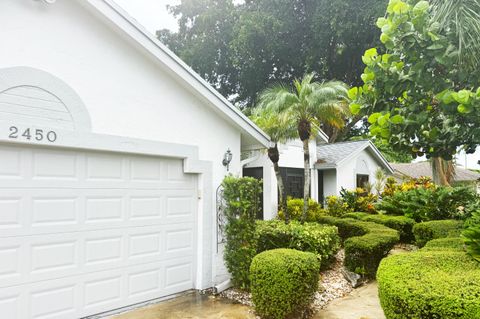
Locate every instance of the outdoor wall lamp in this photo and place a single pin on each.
(227, 158)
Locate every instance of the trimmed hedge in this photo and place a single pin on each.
(322, 240)
(427, 231)
(430, 284)
(283, 282)
(366, 243)
(402, 224)
(453, 243)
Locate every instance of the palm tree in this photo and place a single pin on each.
(461, 17)
(280, 129)
(308, 104)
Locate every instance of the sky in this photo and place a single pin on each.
(153, 15)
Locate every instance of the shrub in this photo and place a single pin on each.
(242, 199)
(321, 240)
(356, 215)
(359, 200)
(402, 224)
(284, 282)
(295, 209)
(337, 207)
(472, 236)
(365, 243)
(427, 231)
(424, 204)
(453, 243)
(429, 284)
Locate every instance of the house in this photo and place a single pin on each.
(333, 166)
(415, 170)
(111, 150)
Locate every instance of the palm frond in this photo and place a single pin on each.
(463, 18)
(277, 98)
(279, 126)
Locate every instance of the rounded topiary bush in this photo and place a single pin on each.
(426, 231)
(452, 243)
(439, 284)
(283, 282)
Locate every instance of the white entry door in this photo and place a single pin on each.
(87, 232)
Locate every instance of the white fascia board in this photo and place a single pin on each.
(119, 18)
(324, 137)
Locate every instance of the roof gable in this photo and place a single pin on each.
(416, 170)
(336, 154)
(116, 16)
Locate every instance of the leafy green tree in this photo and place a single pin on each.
(280, 128)
(417, 94)
(308, 104)
(244, 48)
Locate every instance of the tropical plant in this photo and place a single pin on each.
(280, 129)
(308, 104)
(380, 180)
(471, 235)
(416, 92)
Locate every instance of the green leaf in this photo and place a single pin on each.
(400, 7)
(397, 119)
(386, 57)
(355, 108)
(381, 22)
(373, 118)
(462, 96)
(384, 38)
(421, 6)
(464, 109)
(383, 120)
(353, 93)
(435, 46)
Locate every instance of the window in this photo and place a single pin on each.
(362, 180)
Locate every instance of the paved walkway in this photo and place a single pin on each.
(362, 303)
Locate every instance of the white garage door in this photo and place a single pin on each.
(86, 232)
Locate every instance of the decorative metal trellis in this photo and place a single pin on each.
(221, 218)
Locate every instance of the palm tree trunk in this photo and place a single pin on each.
(306, 185)
(274, 156)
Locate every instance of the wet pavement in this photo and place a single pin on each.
(362, 303)
(191, 306)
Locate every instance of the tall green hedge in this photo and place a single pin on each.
(284, 282)
(321, 240)
(242, 198)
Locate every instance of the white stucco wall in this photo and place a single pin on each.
(363, 163)
(126, 92)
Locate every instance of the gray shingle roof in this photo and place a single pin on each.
(416, 170)
(332, 154)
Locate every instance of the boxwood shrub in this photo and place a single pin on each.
(402, 224)
(452, 243)
(427, 231)
(322, 240)
(430, 284)
(283, 282)
(365, 243)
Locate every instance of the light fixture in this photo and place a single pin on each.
(227, 158)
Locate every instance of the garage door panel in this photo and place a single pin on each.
(87, 232)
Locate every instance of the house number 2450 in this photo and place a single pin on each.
(32, 134)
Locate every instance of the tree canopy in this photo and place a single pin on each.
(241, 49)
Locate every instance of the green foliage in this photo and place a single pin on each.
(427, 231)
(242, 49)
(365, 243)
(416, 94)
(337, 207)
(448, 243)
(472, 235)
(284, 282)
(295, 209)
(423, 204)
(429, 284)
(359, 200)
(321, 240)
(242, 197)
